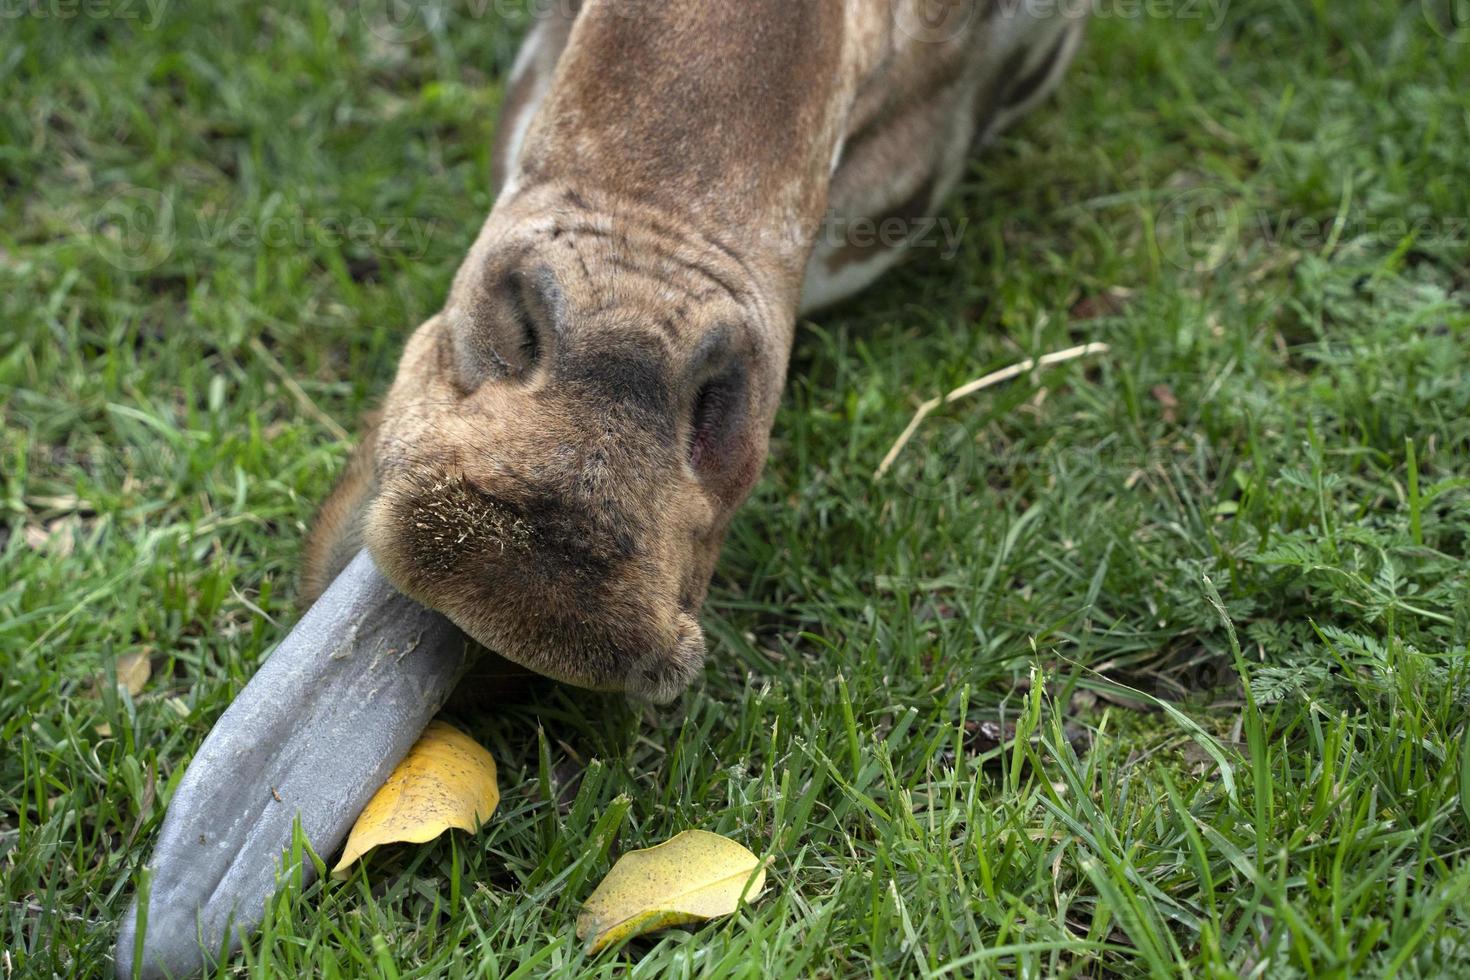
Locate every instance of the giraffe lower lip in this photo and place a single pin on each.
(310, 738)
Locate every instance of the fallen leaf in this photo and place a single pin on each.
(1098, 305)
(62, 535)
(1168, 403)
(446, 780)
(988, 735)
(132, 673)
(693, 876)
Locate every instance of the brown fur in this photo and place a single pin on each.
(564, 445)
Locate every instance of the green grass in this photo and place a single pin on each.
(1215, 578)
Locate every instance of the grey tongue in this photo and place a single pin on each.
(312, 736)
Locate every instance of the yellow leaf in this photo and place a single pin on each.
(446, 780)
(133, 671)
(691, 877)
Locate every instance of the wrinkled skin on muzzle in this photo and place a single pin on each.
(555, 511)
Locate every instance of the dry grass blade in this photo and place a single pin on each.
(297, 392)
(980, 384)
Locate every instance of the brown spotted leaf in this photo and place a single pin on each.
(446, 780)
(691, 877)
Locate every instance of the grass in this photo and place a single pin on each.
(1152, 664)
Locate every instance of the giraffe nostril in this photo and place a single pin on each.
(719, 407)
(503, 326)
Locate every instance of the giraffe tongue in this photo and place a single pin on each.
(312, 736)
